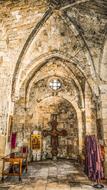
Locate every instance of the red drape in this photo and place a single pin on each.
(13, 140)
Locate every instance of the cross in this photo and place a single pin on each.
(54, 133)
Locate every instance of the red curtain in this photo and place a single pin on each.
(13, 140)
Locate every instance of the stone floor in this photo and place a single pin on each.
(50, 175)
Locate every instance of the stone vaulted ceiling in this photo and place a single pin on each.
(98, 6)
(86, 17)
(88, 6)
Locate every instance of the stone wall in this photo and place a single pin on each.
(37, 43)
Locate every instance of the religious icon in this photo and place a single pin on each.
(35, 141)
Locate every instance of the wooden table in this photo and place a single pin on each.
(13, 162)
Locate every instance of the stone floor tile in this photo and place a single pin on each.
(75, 188)
(51, 175)
(63, 187)
(51, 186)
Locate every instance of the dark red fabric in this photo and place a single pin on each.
(24, 149)
(13, 140)
(94, 165)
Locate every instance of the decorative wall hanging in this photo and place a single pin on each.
(35, 141)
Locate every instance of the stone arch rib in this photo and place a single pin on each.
(73, 4)
(30, 38)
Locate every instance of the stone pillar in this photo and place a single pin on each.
(103, 88)
(104, 119)
(2, 149)
(103, 65)
(90, 112)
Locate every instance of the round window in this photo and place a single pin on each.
(55, 84)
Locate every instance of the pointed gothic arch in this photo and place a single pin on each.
(33, 34)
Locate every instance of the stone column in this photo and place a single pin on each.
(104, 119)
(103, 87)
(90, 112)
